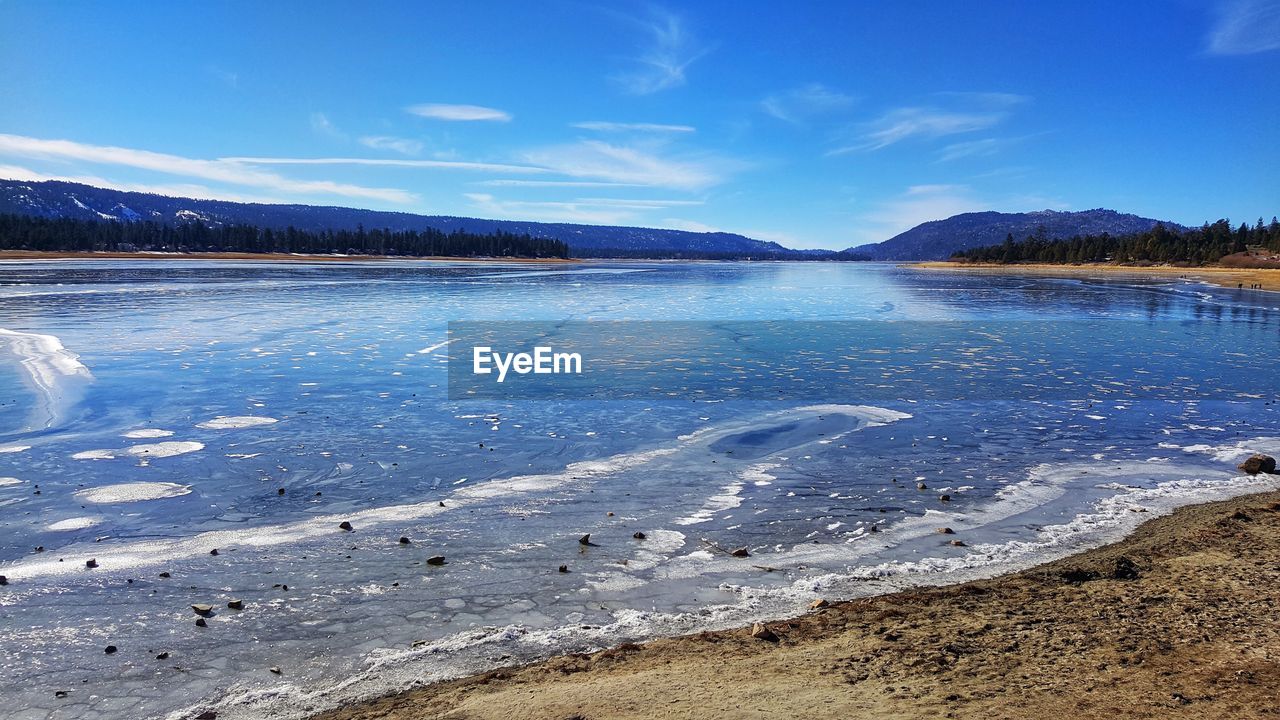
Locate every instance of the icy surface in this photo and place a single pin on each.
(167, 410)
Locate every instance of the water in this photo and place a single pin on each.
(160, 407)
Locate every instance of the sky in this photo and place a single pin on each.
(813, 124)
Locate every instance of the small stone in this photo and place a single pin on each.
(274, 670)
(207, 715)
(404, 540)
(761, 631)
(435, 560)
(39, 548)
(921, 486)
(200, 622)
(740, 552)
(441, 503)
(585, 539)
(202, 608)
(874, 528)
(279, 491)
(958, 543)
(213, 551)
(162, 656)
(91, 563)
(818, 604)
(110, 649)
(946, 531)
(60, 693)
(344, 525)
(4, 580)
(165, 574)
(235, 604)
(639, 536)
(564, 568)
(609, 514)
(944, 498)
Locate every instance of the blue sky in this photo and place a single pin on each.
(813, 124)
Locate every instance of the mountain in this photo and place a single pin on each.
(938, 239)
(72, 200)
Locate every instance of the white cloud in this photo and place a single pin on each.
(669, 52)
(404, 146)
(1243, 27)
(553, 183)
(602, 126)
(183, 190)
(799, 104)
(321, 125)
(615, 163)
(458, 113)
(223, 171)
(962, 112)
(385, 162)
(592, 212)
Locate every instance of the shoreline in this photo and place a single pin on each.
(1228, 277)
(263, 257)
(1177, 619)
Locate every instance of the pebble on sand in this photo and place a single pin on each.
(740, 552)
(945, 498)
(435, 560)
(274, 670)
(404, 540)
(4, 580)
(921, 486)
(162, 656)
(564, 568)
(165, 574)
(639, 536)
(91, 563)
(958, 543)
(946, 531)
(585, 539)
(202, 608)
(235, 604)
(110, 649)
(200, 622)
(344, 525)
(213, 551)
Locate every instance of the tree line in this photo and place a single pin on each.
(25, 232)
(1196, 246)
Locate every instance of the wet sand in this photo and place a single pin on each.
(1268, 278)
(1179, 620)
(263, 257)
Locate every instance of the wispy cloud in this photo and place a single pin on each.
(1243, 27)
(404, 146)
(668, 51)
(385, 162)
(604, 211)
(800, 104)
(602, 126)
(553, 183)
(967, 112)
(224, 171)
(458, 113)
(226, 77)
(598, 160)
(185, 190)
(321, 125)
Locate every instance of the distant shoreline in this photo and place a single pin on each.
(266, 257)
(1268, 278)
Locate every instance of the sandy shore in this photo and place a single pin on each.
(1224, 276)
(261, 257)
(1179, 620)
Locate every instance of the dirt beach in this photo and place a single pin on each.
(1269, 279)
(1179, 620)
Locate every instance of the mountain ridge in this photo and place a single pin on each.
(55, 198)
(939, 239)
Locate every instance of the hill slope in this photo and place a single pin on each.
(938, 239)
(85, 202)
